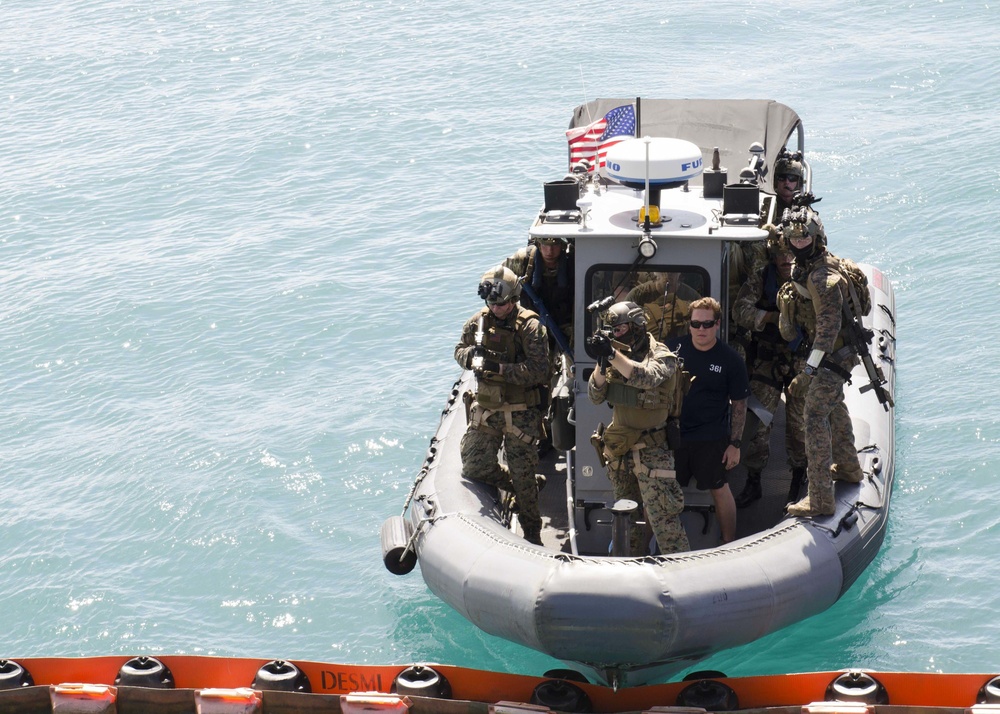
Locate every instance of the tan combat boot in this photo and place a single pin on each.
(818, 502)
(851, 473)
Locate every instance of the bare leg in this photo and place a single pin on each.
(725, 510)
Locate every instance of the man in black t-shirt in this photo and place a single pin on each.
(713, 412)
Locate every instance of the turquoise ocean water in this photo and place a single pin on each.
(238, 240)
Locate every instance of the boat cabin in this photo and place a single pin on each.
(699, 211)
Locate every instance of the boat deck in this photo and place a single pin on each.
(760, 515)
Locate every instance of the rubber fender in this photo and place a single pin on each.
(281, 676)
(710, 695)
(145, 672)
(704, 674)
(561, 695)
(857, 686)
(419, 680)
(14, 676)
(990, 693)
(395, 534)
(570, 675)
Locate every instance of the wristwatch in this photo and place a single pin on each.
(810, 370)
(736, 442)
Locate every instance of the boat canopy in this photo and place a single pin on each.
(732, 125)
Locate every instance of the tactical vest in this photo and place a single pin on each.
(805, 311)
(663, 320)
(646, 408)
(502, 345)
(770, 345)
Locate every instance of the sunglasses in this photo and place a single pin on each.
(703, 324)
(788, 177)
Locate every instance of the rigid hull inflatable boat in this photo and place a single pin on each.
(626, 621)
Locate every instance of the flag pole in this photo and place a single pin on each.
(638, 117)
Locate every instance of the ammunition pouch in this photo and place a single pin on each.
(618, 441)
(489, 395)
(494, 394)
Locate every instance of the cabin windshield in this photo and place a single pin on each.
(665, 293)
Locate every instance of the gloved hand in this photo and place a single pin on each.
(799, 385)
(490, 366)
(601, 346)
(477, 351)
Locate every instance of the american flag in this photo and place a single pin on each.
(592, 142)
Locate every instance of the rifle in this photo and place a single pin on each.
(859, 337)
(546, 318)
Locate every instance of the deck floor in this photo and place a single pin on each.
(760, 515)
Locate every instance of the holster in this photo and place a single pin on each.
(468, 398)
(673, 429)
(597, 439)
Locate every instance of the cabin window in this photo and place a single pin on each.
(665, 293)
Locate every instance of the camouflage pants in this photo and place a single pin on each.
(480, 461)
(829, 435)
(662, 498)
(759, 448)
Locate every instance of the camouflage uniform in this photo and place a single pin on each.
(640, 464)
(666, 313)
(772, 369)
(507, 411)
(553, 285)
(816, 305)
(749, 259)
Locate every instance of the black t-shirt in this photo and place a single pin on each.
(719, 375)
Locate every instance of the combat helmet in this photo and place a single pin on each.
(803, 221)
(789, 163)
(499, 286)
(622, 313)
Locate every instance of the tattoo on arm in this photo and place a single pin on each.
(739, 418)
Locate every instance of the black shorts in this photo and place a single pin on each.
(703, 460)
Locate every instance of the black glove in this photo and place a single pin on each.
(601, 346)
(490, 366)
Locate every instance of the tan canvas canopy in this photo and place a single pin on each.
(730, 124)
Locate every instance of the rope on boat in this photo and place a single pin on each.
(432, 449)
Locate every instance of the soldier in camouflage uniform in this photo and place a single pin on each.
(814, 301)
(749, 259)
(508, 349)
(638, 378)
(773, 367)
(547, 266)
(662, 298)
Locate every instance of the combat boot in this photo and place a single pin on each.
(798, 478)
(818, 502)
(751, 490)
(851, 473)
(532, 534)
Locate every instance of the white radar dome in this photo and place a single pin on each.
(671, 162)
